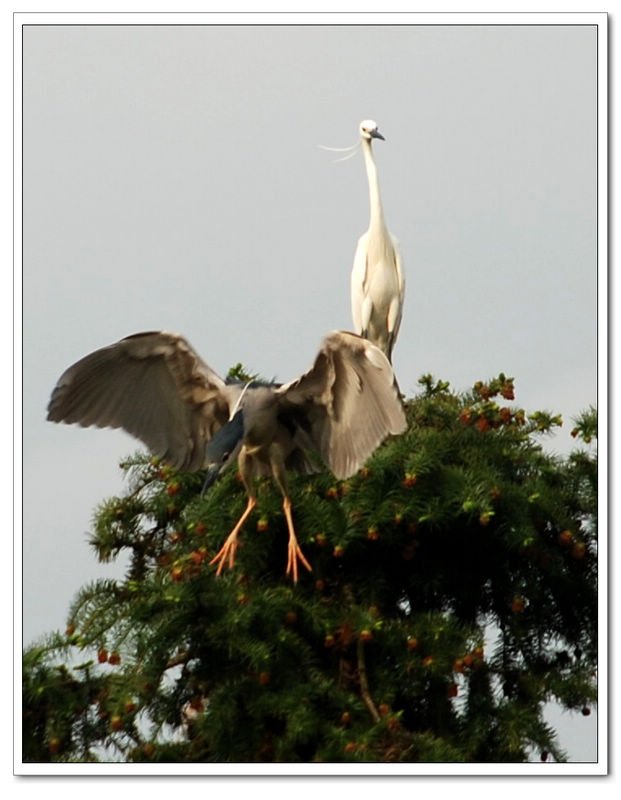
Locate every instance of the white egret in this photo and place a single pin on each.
(156, 387)
(377, 278)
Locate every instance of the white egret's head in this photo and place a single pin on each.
(369, 130)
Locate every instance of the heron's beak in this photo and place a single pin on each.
(212, 473)
(376, 135)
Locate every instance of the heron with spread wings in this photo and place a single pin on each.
(157, 388)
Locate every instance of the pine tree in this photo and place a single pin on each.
(453, 594)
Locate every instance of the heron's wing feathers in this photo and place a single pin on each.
(358, 280)
(349, 399)
(399, 266)
(154, 386)
(401, 284)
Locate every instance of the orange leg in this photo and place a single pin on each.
(294, 552)
(229, 548)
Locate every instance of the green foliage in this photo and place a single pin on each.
(453, 594)
(239, 373)
(586, 425)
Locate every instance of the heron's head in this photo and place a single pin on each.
(223, 447)
(369, 130)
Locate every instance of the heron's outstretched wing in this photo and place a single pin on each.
(349, 400)
(156, 387)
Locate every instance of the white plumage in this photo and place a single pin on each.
(377, 278)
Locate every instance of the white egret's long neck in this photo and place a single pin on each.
(375, 201)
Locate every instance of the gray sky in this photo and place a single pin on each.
(172, 180)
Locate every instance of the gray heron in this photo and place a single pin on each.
(157, 388)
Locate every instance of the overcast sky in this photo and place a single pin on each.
(172, 180)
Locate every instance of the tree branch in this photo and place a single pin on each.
(364, 683)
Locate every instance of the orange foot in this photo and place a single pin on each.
(294, 554)
(293, 549)
(227, 551)
(229, 548)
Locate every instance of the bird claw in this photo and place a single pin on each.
(295, 554)
(227, 551)
(229, 548)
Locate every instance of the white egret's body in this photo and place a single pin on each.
(377, 278)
